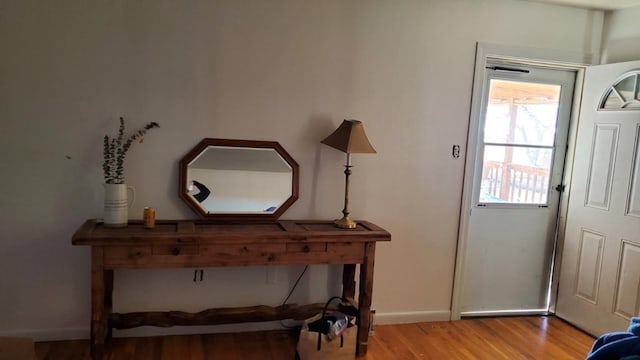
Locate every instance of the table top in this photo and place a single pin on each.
(94, 233)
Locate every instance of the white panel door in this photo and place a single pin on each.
(599, 288)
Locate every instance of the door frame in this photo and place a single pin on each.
(555, 59)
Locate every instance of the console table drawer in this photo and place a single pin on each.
(126, 254)
(245, 250)
(346, 252)
(242, 254)
(138, 255)
(307, 248)
(175, 250)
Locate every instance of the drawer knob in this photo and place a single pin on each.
(175, 251)
(306, 249)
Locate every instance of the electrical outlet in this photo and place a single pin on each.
(198, 275)
(455, 151)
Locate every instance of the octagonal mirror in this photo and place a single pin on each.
(238, 179)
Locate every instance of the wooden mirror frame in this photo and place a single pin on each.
(235, 216)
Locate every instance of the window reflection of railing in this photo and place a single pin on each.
(512, 183)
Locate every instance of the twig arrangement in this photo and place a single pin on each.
(115, 150)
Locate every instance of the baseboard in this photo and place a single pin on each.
(411, 317)
(49, 334)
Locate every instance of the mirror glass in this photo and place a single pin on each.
(223, 178)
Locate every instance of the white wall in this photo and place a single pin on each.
(283, 70)
(621, 36)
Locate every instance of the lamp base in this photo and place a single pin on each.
(345, 223)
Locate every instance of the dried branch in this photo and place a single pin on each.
(115, 151)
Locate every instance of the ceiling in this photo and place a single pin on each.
(595, 4)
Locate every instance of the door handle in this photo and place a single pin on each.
(560, 188)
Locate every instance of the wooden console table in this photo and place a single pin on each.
(199, 244)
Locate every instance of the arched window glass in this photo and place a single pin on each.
(624, 94)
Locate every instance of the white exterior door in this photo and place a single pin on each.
(522, 136)
(599, 287)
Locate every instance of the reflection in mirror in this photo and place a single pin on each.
(238, 178)
(224, 179)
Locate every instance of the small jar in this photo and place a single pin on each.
(149, 216)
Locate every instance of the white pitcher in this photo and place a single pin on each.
(117, 204)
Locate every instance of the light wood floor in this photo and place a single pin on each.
(512, 338)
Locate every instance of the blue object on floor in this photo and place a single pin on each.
(618, 345)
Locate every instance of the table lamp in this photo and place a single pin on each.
(349, 138)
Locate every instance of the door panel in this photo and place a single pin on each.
(626, 296)
(633, 208)
(601, 165)
(600, 271)
(589, 265)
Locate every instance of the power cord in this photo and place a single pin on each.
(284, 302)
(295, 284)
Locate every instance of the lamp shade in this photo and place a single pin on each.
(350, 138)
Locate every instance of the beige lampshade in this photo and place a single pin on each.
(350, 138)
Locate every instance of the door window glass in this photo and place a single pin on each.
(624, 94)
(519, 134)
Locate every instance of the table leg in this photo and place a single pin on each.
(364, 298)
(348, 281)
(98, 316)
(108, 300)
